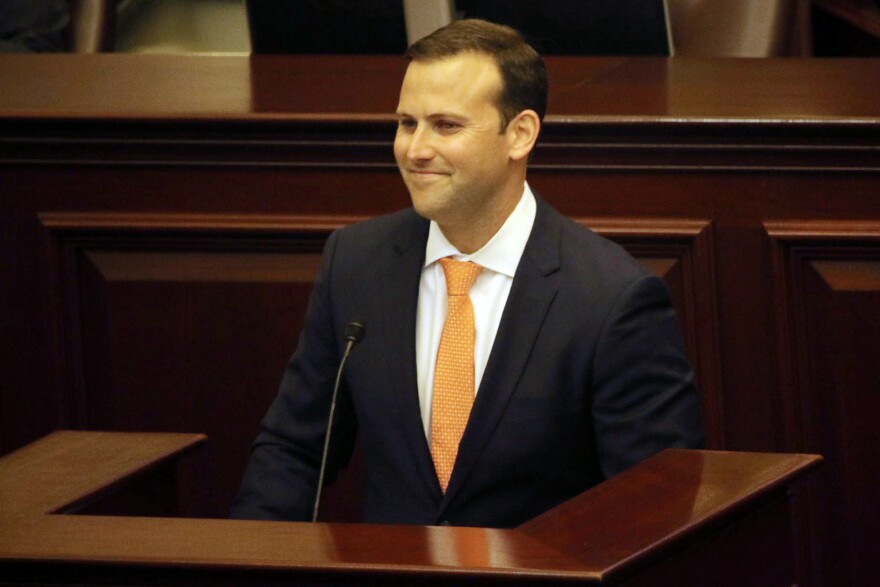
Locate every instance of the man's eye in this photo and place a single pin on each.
(407, 124)
(447, 125)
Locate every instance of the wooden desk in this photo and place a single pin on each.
(691, 517)
(162, 218)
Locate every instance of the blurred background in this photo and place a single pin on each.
(729, 28)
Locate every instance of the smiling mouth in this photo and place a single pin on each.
(426, 172)
(425, 179)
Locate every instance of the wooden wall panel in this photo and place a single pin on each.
(31, 400)
(174, 323)
(828, 283)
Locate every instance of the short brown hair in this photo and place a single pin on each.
(523, 74)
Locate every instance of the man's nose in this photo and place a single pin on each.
(420, 145)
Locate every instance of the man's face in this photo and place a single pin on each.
(452, 157)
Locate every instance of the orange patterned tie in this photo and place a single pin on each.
(454, 373)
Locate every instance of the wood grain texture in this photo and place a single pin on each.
(64, 469)
(673, 494)
(290, 88)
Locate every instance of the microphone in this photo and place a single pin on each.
(354, 331)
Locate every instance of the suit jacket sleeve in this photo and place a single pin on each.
(281, 478)
(643, 395)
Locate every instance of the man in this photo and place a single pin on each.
(571, 348)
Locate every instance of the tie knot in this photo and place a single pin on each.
(460, 275)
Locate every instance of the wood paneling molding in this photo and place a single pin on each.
(592, 143)
(827, 287)
(181, 321)
(96, 222)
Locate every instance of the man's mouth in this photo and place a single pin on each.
(427, 172)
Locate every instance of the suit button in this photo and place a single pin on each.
(445, 523)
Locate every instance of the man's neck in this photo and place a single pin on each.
(475, 230)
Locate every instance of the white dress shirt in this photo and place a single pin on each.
(499, 258)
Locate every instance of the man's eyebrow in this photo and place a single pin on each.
(433, 117)
(441, 115)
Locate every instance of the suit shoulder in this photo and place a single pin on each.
(373, 236)
(395, 224)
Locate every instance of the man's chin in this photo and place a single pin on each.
(426, 205)
(422, 210)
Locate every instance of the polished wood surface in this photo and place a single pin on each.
(666, 499)
(67, 469)
(620, 529)
(162, 219)
(133, 86)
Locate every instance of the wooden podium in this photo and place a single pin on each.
(680, 518)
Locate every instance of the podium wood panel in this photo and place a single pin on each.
(626, 529)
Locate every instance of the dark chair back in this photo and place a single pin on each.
(327, 26)
(581, 27)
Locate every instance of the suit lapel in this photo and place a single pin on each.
(400, 278)
(534, 287)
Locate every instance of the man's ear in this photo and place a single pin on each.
(522, 133)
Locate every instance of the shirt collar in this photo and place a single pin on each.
(503, 251)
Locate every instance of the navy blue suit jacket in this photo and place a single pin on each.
(587, 377)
